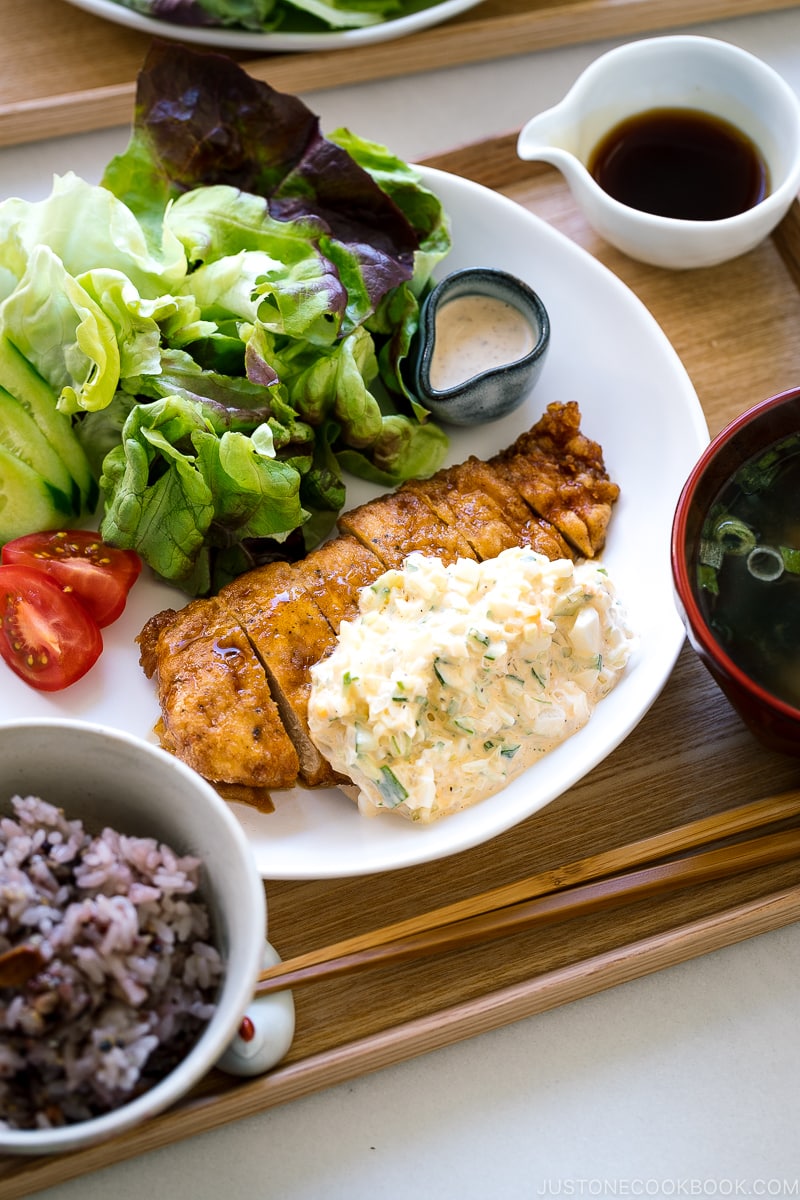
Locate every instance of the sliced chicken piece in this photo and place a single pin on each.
(396, 524)
(560, 473)
(544, 538)
(474, 514)
(217, 713)
(334, 574)
(160, 623)
(288, 633)
(475, 475)
(528, 529)
(469, 505)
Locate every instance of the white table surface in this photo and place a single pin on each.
(681, 1084)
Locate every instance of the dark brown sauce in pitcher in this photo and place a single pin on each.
(683, 163)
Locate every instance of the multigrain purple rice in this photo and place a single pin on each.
(130, 975)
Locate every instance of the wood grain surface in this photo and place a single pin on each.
(736, 330)
(65, 71)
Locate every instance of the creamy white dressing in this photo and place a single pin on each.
(476, 333)
(454, 679)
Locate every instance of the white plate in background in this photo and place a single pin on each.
(607, 353)
(242, 39)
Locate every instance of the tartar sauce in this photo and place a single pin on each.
(474, 334)
(454, 679)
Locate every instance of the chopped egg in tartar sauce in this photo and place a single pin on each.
(454, 679)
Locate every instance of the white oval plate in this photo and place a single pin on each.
(606, 352)
(241, 39)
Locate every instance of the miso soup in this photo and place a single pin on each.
(749, 569)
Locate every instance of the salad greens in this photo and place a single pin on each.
(286, 16)
(222, 322)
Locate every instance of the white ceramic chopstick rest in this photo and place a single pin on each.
(266, 1030)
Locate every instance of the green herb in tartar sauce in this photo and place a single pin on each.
(454, 679)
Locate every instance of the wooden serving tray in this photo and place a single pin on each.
(737, 329)
(65, 71)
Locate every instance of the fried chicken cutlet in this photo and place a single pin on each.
(217, 711)
(474, 498)
(549, 491)
(560, 473)
(288, 633)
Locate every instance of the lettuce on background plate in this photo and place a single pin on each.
(268, 16)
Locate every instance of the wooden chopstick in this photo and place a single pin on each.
(520, 905)
(756, 815)
(611, 892)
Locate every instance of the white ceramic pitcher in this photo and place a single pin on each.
(673, 72)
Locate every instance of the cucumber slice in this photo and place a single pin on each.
(26, 385)
(21, 436)
(27, 500)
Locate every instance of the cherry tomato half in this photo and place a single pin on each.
(46, 635)
(99, 575)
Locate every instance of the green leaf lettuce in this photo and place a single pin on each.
(177, 487)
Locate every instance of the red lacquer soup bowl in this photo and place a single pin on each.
(736, 566)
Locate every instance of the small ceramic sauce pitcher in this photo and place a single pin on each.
(499, 349)
(681, 72)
